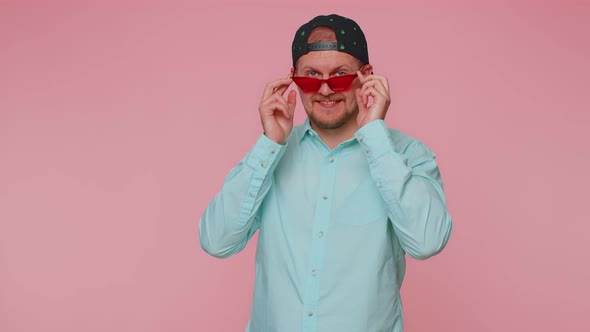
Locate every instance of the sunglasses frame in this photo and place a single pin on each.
(327, 81)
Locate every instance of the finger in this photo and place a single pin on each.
(384, 81)
(280, 104)
(281, 90)
(278, 110)
(375, 84)
(360, 100)
(377, 96)
(370, 93)
(268, 106)
(381, 79)
(273, 86)
(362, 78)
(386, 84)
(375, 93)
(292, 101)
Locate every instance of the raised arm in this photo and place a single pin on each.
(231, 218)
(409, 181)
(406, 174)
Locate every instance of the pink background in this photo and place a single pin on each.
(119, 121)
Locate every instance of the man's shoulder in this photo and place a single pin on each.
(409, 145)
(401, 139)
(403, 143)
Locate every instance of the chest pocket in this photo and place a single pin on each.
(359, 203)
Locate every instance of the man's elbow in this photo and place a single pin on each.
(215, 251)
(433, 245)
(425, 252)
(218, 246)
(211, 246)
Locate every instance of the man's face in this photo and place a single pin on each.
(328, 109)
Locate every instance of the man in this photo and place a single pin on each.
(337, 201)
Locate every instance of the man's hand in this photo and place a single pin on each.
(276, 113)
(377, 88)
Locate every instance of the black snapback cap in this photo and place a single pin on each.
(349, 38)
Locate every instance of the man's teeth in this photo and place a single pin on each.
(328, 102)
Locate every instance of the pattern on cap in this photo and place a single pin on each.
(349, 37)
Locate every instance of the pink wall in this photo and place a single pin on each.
(119, 121)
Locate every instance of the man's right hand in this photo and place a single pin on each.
(276, 113)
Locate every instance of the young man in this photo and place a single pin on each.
(337, 201)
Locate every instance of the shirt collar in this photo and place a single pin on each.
(307, 130)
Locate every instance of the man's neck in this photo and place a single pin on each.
(333, 137)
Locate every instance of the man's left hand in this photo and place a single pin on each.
(377, 88)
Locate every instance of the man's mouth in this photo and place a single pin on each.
(328, 103)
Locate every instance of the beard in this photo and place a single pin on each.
(330, 123)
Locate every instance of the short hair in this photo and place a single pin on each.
(325, 34)
(321, 34)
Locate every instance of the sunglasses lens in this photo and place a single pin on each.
(307, 84)
(340, 83)
(337, 83)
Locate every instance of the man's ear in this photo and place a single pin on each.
(292, 71)
(367, 69)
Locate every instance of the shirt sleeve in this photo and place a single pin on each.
(410, 183)
(231, 218)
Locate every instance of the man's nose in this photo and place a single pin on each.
(325, 89)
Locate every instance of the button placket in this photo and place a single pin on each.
(319, 240)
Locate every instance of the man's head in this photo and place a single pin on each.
(327, 47)
(343, 35)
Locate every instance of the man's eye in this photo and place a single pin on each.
(312, 74)
(340, 73)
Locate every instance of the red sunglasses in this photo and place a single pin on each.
(336, 83)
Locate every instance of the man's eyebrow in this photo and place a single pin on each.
(343, 67)
(308, 68)
(333, 70)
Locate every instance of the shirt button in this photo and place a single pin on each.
(314, 273)
(252, 194)
(320, 234)
(263, 164)
(325, 196)
(379, 184)
(272, 150)
(310, 133)
(331, 159)
(368, 153)
(310, 312)
(360, 138)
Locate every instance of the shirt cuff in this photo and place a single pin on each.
(264, 154)
(375, 138)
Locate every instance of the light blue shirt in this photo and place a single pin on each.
(334, 227)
